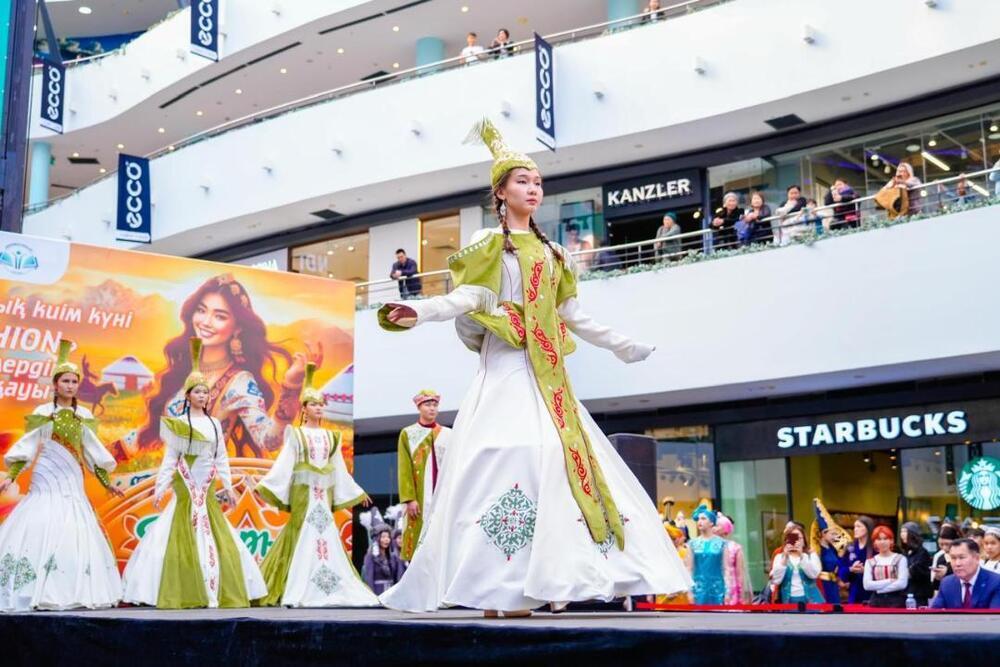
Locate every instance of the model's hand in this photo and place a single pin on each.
(635, 352)
(412, 509)
(157, 502)
(404, 316)
(367, 502)
(4, 483)
(116, 492)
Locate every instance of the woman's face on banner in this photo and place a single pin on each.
(314, 411)
(213, 322)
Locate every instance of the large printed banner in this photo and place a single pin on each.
(130, 315)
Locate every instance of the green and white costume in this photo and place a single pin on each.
(53, 553)
(307, 565)
(536, 506)
(420, 459)
(192, 556)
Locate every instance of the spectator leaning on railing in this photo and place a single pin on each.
(971, 586)
(473, 51)
(787, 226)
(501, 46)
(753, 226)
(724, 222)
(902, 189)
(845, 214)
(403, 269)
(652, 12)
(668, 245)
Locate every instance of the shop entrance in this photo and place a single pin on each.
(643, 228)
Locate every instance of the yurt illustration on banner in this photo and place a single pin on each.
(339, 396)
(127, 374)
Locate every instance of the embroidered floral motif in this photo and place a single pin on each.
(7, 566)
(547, 347)
(609, 541)
(24, 573)
(319, 493)
(325, 579)
(557, 407)
(535, 280)
(581, 471)
(322, 549)
(510, 522)
(50, 564)
(318, 519)
(515, 322)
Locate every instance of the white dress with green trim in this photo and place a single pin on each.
(191, 556)
(307, 565)
(53, 553)
(532, 481)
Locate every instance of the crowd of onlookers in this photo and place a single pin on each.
(500, 47)
(877, 570)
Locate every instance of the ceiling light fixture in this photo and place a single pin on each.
(932, 143)
(340, 50)
(161, 130)
(395, 65)
(994, 128)
(85, 10)
(103, 170)
(283, 70)
(76, 155)
(121, 146)
(465, 9)
(395, 28)
(239, 91)
(170, 148)
(935, 161)
(199, 112)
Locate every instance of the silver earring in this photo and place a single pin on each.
(503, 210)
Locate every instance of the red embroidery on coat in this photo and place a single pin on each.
(535, 280)
(581, 471)
(322, 549)
(516, 322)
(562, 331)
(547, 347)
(557, 407)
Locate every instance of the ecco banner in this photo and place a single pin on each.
(53, 95)
(134, 204)
(545, 100)
(205, 28)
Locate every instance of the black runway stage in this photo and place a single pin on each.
(146, 638)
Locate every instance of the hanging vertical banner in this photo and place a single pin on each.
(53, 95)
(134, 204)
(545, 107)
(205, 28)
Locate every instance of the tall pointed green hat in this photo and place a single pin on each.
(63, 364)
(195, 378)
(504, 158)
(309, 393)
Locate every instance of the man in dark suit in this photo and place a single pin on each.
(971, 586)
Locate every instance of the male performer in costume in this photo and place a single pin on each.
(421, 456)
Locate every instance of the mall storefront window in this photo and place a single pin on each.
(343, 258)
(924, 463)
(439, 239)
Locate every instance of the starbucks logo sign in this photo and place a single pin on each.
(979, 483)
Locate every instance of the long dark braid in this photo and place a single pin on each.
(498, 206)
(544, 239)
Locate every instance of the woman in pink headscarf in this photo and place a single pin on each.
(739, 590)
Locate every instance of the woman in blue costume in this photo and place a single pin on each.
(706, 558)
(830, 541)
